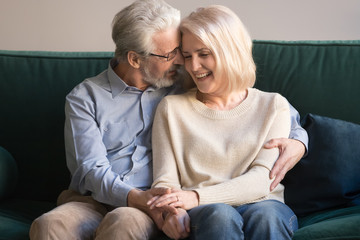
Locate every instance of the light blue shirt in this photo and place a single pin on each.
(108, 136)
(297, 132)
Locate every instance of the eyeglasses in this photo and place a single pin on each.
(169, 56)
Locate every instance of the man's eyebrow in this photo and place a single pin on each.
(173, 49)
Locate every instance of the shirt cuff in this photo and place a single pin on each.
(120, 194)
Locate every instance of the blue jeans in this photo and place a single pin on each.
(269, 219)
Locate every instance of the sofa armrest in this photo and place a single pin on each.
(8, 173)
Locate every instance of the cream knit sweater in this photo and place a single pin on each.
(219, 154)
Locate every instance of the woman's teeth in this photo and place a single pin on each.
(202, 75)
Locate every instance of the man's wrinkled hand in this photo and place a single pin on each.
(177, 226)
(291, 151)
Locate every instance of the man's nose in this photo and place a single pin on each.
(179, 59)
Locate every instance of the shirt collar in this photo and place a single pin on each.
(117, 85)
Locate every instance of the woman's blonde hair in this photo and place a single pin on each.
(221, 30)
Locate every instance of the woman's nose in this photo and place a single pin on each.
(195, 64)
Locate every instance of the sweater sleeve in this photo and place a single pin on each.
(164, 165)
(253, 185)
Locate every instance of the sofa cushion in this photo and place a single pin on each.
(16, 216)
(333, 224)
(328, 177)
(8, 173)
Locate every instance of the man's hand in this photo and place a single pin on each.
(177, 226)
(291, 151)
(138, 199)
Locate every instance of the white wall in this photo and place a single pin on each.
(84, 25)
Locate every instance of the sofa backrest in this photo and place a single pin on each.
(320, 77)
(33, 86)
(316, 77)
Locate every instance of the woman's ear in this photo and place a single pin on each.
(133, 59)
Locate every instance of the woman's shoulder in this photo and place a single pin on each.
(270, 96)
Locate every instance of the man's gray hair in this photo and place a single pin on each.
(134, 26)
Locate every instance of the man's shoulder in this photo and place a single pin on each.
(90, 84)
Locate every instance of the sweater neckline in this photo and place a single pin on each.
(204, 110)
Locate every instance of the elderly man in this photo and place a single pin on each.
(108, 133)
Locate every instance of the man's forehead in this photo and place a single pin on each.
(166, 41)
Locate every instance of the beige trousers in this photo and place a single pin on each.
(81, 217)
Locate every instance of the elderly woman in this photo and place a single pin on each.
(208, 142)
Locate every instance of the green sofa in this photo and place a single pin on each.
(317, 77)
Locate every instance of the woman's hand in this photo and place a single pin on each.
(177, 226)
(177, 198)
(138, 199)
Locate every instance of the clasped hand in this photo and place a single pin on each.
(177, 198)
(176, 225)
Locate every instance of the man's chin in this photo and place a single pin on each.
(161, 83)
